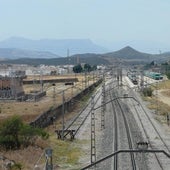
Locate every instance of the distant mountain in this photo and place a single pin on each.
(166, 53)
(126, 56)
(57, 46)
(128, 53)
(12, 53)
(93, 59)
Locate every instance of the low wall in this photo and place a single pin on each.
(63, 80)
(47, 118)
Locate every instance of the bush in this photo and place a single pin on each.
(168, 75)
(147, 91)
(14, 133)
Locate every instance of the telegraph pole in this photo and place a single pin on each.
(85, 75)
(68, 60)
(63, 113)
(54, 94)
(41, 80)
(48, 156)
(142, 80)
(103, 109)
(93, 141)
(156, 97)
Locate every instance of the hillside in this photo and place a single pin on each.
(56, 46)
(127, 55)
(95, 60)
(12, 53)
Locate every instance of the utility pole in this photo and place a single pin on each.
(157, 98)
(54, 94)
(103, 109)
(63, 113)
(118, 76)
(142, 80)
(93, 77)
(121, 76)
(48, 156)
(85, 75)
(93, 141)
(41, 80)
(68, 61)
(72, 91)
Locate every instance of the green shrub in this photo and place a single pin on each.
(14, 133)
(168, 75)
(147, 92)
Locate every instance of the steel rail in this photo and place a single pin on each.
(166, 146)
(81, 112)
(115, 134)
(150, 144)
(128, 136)
(155, 129)
(127, 151)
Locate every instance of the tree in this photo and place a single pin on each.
(77, 69)
(168, 75)
(14, 133)
(87, 67)
(9, 132)
(94, 67)
(147, 92)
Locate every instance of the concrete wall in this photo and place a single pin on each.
(47, 118)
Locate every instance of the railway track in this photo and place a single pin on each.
(147, 136)
(130, 141)
(143, 115)
(115, 132)
(77, 122)
(117, 110)
(124, 111)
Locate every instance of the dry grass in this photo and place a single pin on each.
(157, 105)
(30, 110)
(66, 154)
(166, 93)
(164, 84)
(26, 157)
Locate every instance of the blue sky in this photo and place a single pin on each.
(144, 24)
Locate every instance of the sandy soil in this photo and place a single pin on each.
(164, 96)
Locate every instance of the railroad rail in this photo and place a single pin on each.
(126, 151)
(74, 126)
(139, 108)
(147, 136)
(128, 135)
(115, 132)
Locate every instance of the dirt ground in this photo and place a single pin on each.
(30, 110)
(29, 157)
(164, 96)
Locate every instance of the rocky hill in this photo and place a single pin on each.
(128, 53)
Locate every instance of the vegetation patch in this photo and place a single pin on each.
(157, 105)
(164, 84)
(147, 91)
(65, 153)
(15, 134)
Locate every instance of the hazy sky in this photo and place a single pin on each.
(103, 21)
